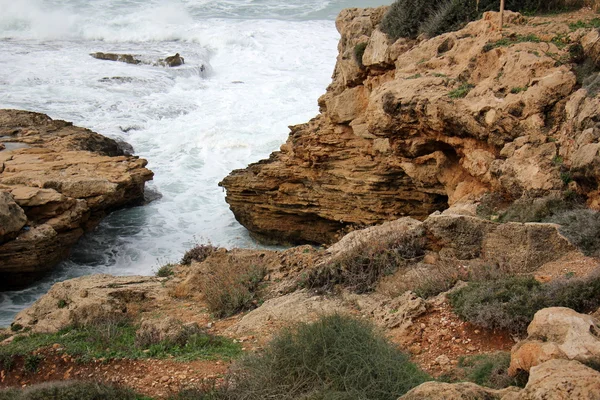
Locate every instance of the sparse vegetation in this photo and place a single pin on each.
(511, 40)
(359, 51)
(74, 390)
(594, 23)
(336, 357)
(198, 253)
(110, 339)
(460, 92)
(510, 303)
(581, 226)
(486, 370)
(32, 362)
(361, 269)
(62, 303)
(409, 18)
(518, 89)
(165, 271)
(415, 76)
(231, 288)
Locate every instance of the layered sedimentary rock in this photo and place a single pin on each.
(411, 127)
(56, 182)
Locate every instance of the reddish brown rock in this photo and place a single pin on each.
(56, 181)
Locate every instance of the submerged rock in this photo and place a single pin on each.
(64, 181)
(171, 61)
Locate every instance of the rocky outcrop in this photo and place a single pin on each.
(456, 391)
(171, 61)
(56, 182)
(557, 333)
(89, 299)
(416, 126)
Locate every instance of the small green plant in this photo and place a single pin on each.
(484, 369)
(198, 253)
(359, 51)
(16, 327)
(461, 92)
(518, 89)
(165, 271)
(511, 40)
(594, 23)
(62, 303)
(415, 76)
(32, 362)
(558, 160)
(438, 75)
(336, 357)
(565, 177)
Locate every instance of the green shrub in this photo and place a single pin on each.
(535, 209)
(73, 390)
(359, 51)
(165, 271)
(360, 270)
(489, 370)
(581, 226)
(32, 362)
(336, 357)
(408, 18)
(198, 253)
(510, 303)
(230, 288)
(460, 92)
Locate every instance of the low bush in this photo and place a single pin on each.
(360, 270)
(198, 253)
(165, 271)
(74, 390)
(490, 370)
(409, 18)
(336, 357)
(510, 303)
(581, 226)
(231, 288)
(461, 92)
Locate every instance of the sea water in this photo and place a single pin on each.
(252, 68)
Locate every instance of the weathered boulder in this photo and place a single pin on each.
(90, 299)
(171, 61)
(418, 126)
(64, 180)
(169, 329)
(12, 217)
(174, 61)
(560, 380)
(455, 391)
(557, 333)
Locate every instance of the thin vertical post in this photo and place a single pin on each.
(501, 14)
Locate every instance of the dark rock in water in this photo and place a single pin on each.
(129, 128)
(151, 194)
(2, 147)
(174, 61)
(126, 58)
(125, 147)
(117, 79)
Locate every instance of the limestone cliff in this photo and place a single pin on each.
(56, 182)
(411, 127)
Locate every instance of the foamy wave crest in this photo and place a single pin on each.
(31, 19)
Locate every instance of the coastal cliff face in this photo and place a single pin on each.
(56, 182)
(411, 127)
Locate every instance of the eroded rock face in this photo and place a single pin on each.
(56, 182)
(417, 126)
(90, 298)
(557, 333)
(171, 61)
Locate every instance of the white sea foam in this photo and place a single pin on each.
(265, 64)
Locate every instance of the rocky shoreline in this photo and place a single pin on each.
(413, 127)
(455, 179)
(57, 181)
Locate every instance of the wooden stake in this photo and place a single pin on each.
(501, 14)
